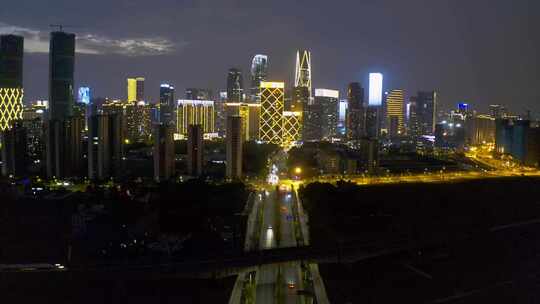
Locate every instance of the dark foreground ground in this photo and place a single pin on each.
(468, 242)
(502, 267)
(60, 289)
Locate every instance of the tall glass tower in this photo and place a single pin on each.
(259, 73)
(235, 87)
(61, 70)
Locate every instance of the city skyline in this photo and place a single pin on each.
(450, 61)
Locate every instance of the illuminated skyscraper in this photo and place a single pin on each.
(138, 122)
(234, 144)
(235, 86)
(195, 150)
(195, 112)
(259, 73)
(11, 81)
(341, 129)
(303, 70)
(250, 113)
(272, 102)
(292, 127)
(83, 95)
(328, 99)
(355, 118)
(395, 121)
(167, 104)
(135, 89)
(375, 89)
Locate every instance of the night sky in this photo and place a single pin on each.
(479, 51)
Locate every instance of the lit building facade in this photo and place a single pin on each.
(480, 130)
(167, 104)
(375, 89)
(272, 103)
(292, 128)
(250, 113)
(259, 73)
(329, 102)
(11, 81)
(395, 115)
(138, 122)
(135, 89)
(234, 144)
(303, 70)
(195, 112)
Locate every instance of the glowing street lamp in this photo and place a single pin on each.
(298, 170)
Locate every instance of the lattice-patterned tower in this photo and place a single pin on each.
(303, 69)
(292, 128)
(272, 103)
(11, 87)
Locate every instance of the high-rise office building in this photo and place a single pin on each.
(272, 102)
(135, 89)
(328, 100)
(234, 144)
(250, 113)
(413, 128)
(375, 89)
(303, 70)
(61, 71)
(426, 111)
(395, 115)
(373, 121)
(498, 111)
(11, 80)
(195, 112)
(64, 129)
(480, 130)
(199, 94)
(235, 86)
(259, 73)
(105, 146)
(195, 150)
(138, 122)
(14, 156)
(355, 118)
(312, 122)
(292, 128)
(163, 153)
(83, 95)
(342, 118)
(167, 104)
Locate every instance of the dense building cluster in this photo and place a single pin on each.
(70, 136)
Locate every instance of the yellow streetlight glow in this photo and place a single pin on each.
(297, 170)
